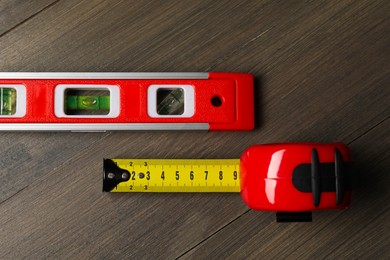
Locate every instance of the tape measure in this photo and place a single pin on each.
(291, 179)
(125, 101)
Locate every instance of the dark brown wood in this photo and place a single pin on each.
(360, 231)
(322, 74)
(15, 12)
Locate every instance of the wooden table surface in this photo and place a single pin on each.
(321, 74)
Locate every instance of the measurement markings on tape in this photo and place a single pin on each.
(290, 179)
(180, 175)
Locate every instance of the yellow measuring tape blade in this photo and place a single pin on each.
(179, 175)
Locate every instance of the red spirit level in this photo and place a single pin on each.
(126, 101)
(290, 179)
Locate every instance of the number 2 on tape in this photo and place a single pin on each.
(291, 179)
(126, 101)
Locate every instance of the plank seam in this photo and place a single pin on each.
(369, 130)
(29, 18)
(213, 234)
(13, 195)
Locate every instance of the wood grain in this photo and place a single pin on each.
(362, 230)
(15, 12)
(322, 74)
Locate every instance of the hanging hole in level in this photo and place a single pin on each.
(216, 101)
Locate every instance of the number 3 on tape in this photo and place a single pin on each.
(126, 101)
(291, 179)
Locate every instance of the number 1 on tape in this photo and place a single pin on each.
(291, 179)
(144, 175)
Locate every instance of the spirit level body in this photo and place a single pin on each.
(41, 101)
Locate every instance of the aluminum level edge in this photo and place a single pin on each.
(93, 127)
(104, 75)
